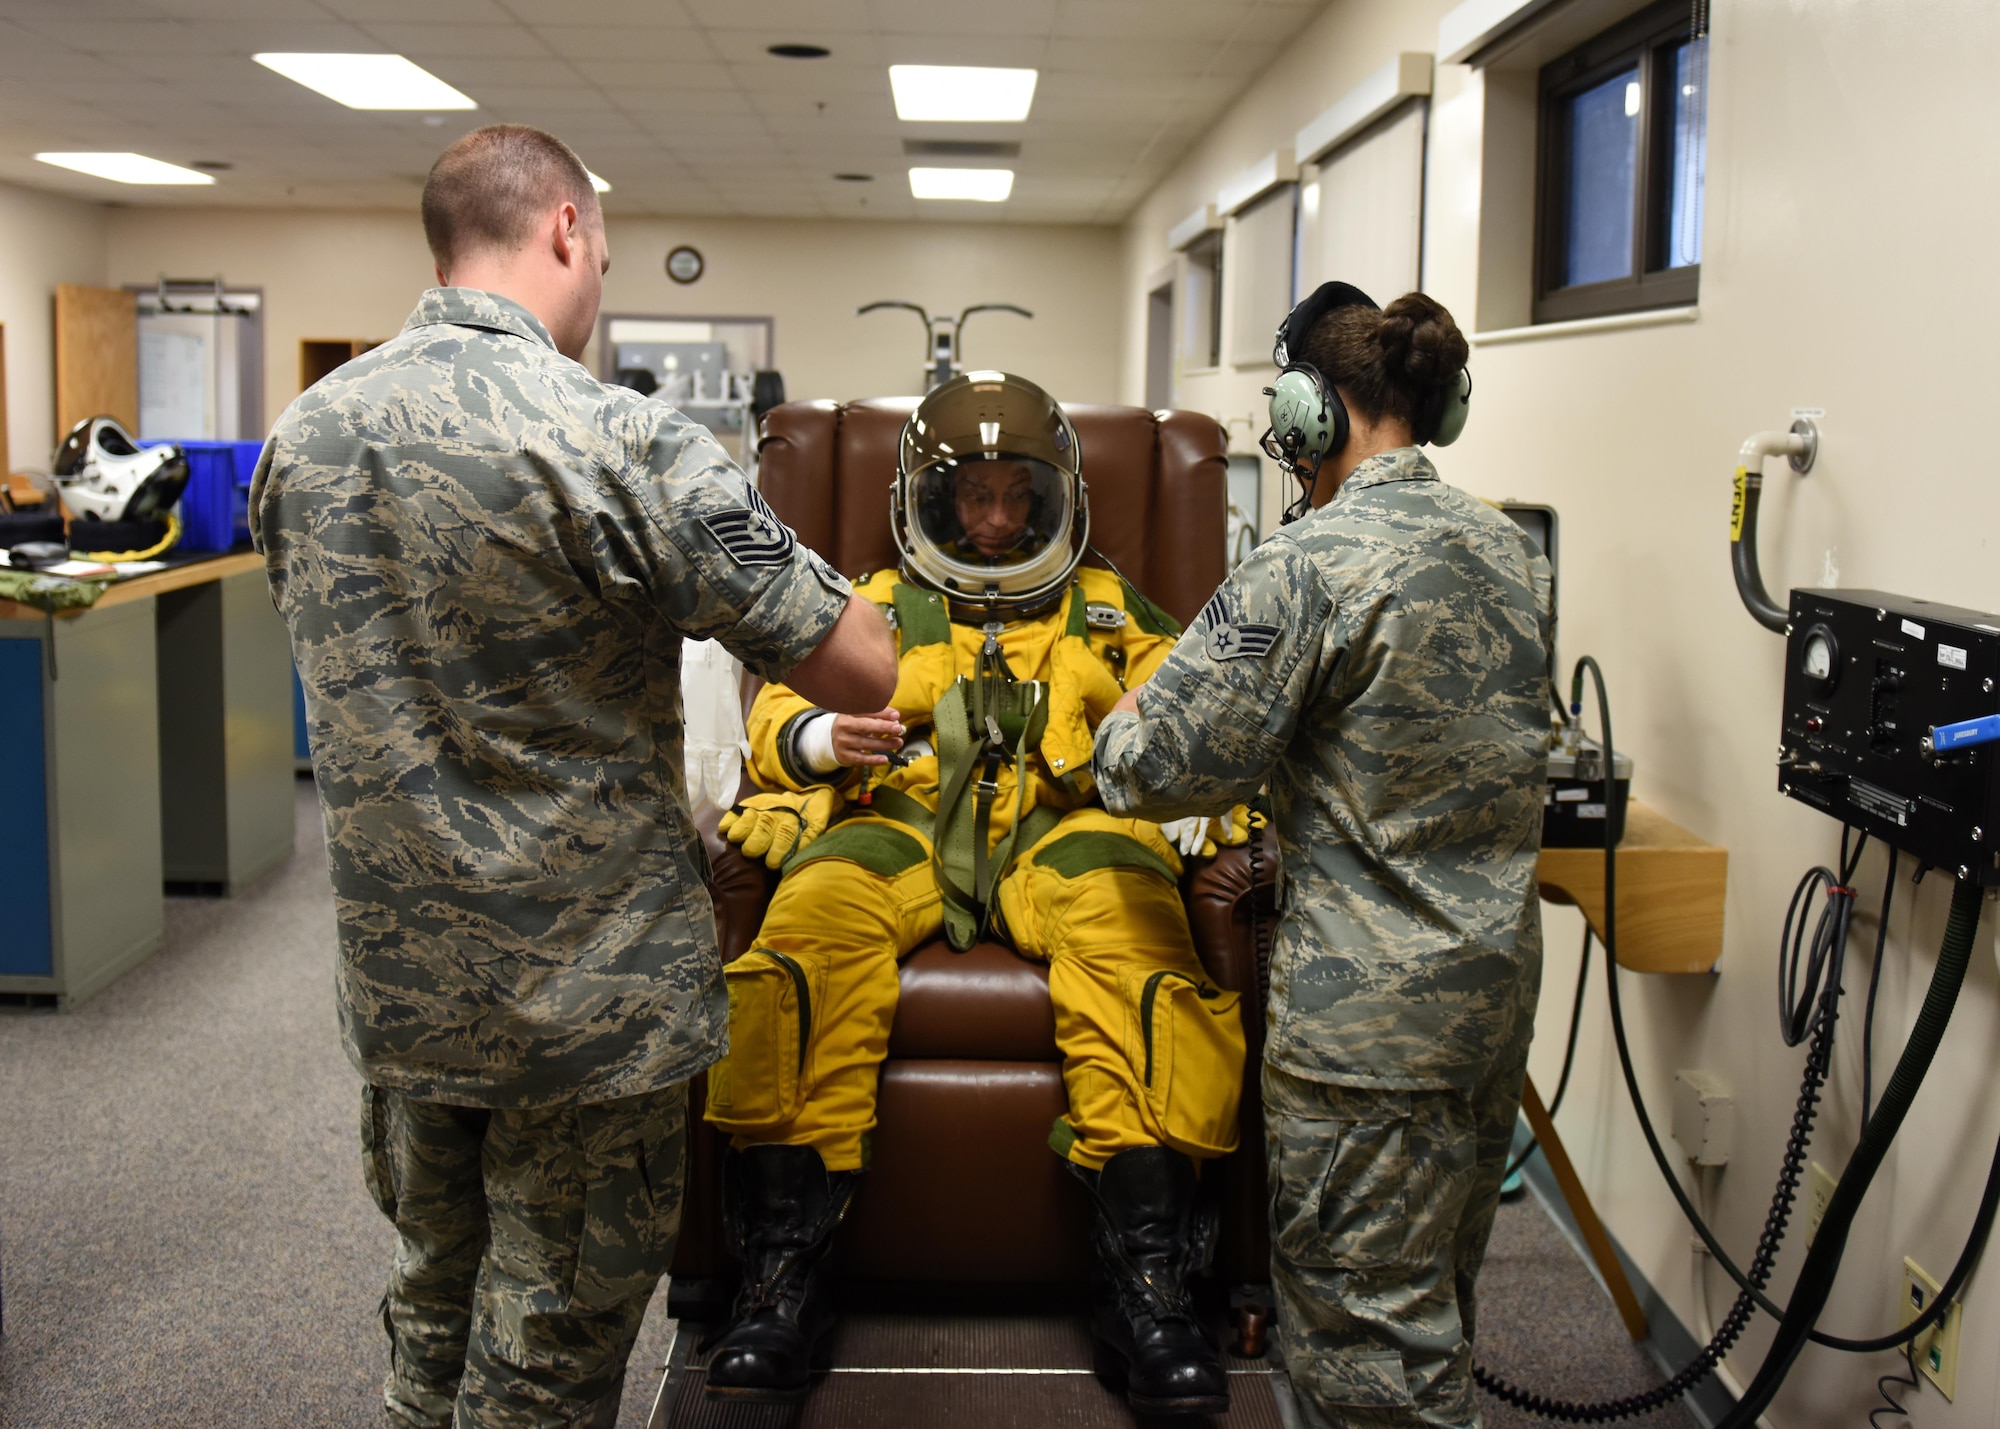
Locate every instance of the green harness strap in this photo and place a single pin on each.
(979, 723)
(921, 617)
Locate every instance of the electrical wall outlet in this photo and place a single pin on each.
(1937, 1348)
(1819, 1194)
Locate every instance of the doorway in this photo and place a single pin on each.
(201, 361)
(706, 367)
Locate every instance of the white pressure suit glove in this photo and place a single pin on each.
(1198, 835)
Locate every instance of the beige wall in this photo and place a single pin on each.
(44, 240)
(358, 274)
(1345, 45)
(1848, 240)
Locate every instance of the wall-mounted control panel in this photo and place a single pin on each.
(1868, 678)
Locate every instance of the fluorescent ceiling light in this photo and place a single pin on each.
(127, 168)
(962, 93)
(597, 183)
(979, 185)
(368, 81)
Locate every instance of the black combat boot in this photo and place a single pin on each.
(1150, 1237)
(781, 1206)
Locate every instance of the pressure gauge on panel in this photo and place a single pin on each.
(1819, 659)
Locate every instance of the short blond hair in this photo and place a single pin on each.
(489, 189)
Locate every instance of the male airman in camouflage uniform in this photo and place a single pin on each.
(488, 561)
(1383, 662)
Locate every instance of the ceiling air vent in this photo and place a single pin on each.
(962, 148)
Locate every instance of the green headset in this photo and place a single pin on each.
(1309, 421)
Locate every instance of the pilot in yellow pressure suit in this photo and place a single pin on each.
(969, 804)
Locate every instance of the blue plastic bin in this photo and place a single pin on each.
(215, 508)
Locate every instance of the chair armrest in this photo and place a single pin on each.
(1221, 895)
(739, 887)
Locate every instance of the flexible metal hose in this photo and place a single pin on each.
(1743, 553)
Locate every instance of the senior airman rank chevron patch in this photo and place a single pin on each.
(1229, 639)
(753, 536)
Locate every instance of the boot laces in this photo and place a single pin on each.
(785, 1279)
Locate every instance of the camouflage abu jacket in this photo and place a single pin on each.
(1384, 662)
(488, 560)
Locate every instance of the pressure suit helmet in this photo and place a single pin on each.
(990, 509)
(103, 475)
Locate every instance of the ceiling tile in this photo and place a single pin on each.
(676, 101)
(95, 11)
(625, 14)
(295, 11)
(470, 13)
(819, 79)
(501, 76)
(1017, 51)
(259, 33)
(650, 75)
(843, 16)
(421, 42)
(964, 18)
(752, 47)
(1126, 19)
(90, 37)
(666, 105)
(605, 42)
(1165, 57)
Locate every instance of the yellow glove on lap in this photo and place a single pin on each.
(773, 827)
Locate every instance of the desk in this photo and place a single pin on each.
(191, 659)
(226, 768)
(1670, 893)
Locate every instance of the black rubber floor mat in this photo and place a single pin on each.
(1027, 1372)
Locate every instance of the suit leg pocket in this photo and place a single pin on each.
(1341, 1202)
(762, 1082)
(1185, 1040)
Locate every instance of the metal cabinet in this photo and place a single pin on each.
(80, 866)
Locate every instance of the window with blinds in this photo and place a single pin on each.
(1361, 217)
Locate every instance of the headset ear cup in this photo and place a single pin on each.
(1301, 403)
(1457, 407)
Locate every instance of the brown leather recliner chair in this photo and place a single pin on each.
(963, 1187)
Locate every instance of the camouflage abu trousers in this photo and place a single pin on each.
(1382, 1203)
(531, 1242)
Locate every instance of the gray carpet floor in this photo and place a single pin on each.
(184, 1238)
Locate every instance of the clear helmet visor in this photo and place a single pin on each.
(1000, 522)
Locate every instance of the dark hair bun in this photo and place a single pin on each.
(1418, 342)
(1392, 362)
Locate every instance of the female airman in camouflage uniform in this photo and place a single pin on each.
(1382, 663)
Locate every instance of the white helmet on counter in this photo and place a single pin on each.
(103, 475)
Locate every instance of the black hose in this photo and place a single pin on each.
(1802, 969)
(1818, 1061)
(1818, 1065)
(1968, 1261)
(1874, 986)
(1890, 1404)
(1815, 1281)
(1743, 553)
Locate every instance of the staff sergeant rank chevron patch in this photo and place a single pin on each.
(1233, 640)
(753, 536)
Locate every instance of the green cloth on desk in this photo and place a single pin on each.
(49, 593)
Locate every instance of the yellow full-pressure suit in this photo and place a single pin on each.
(1152, 1049)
